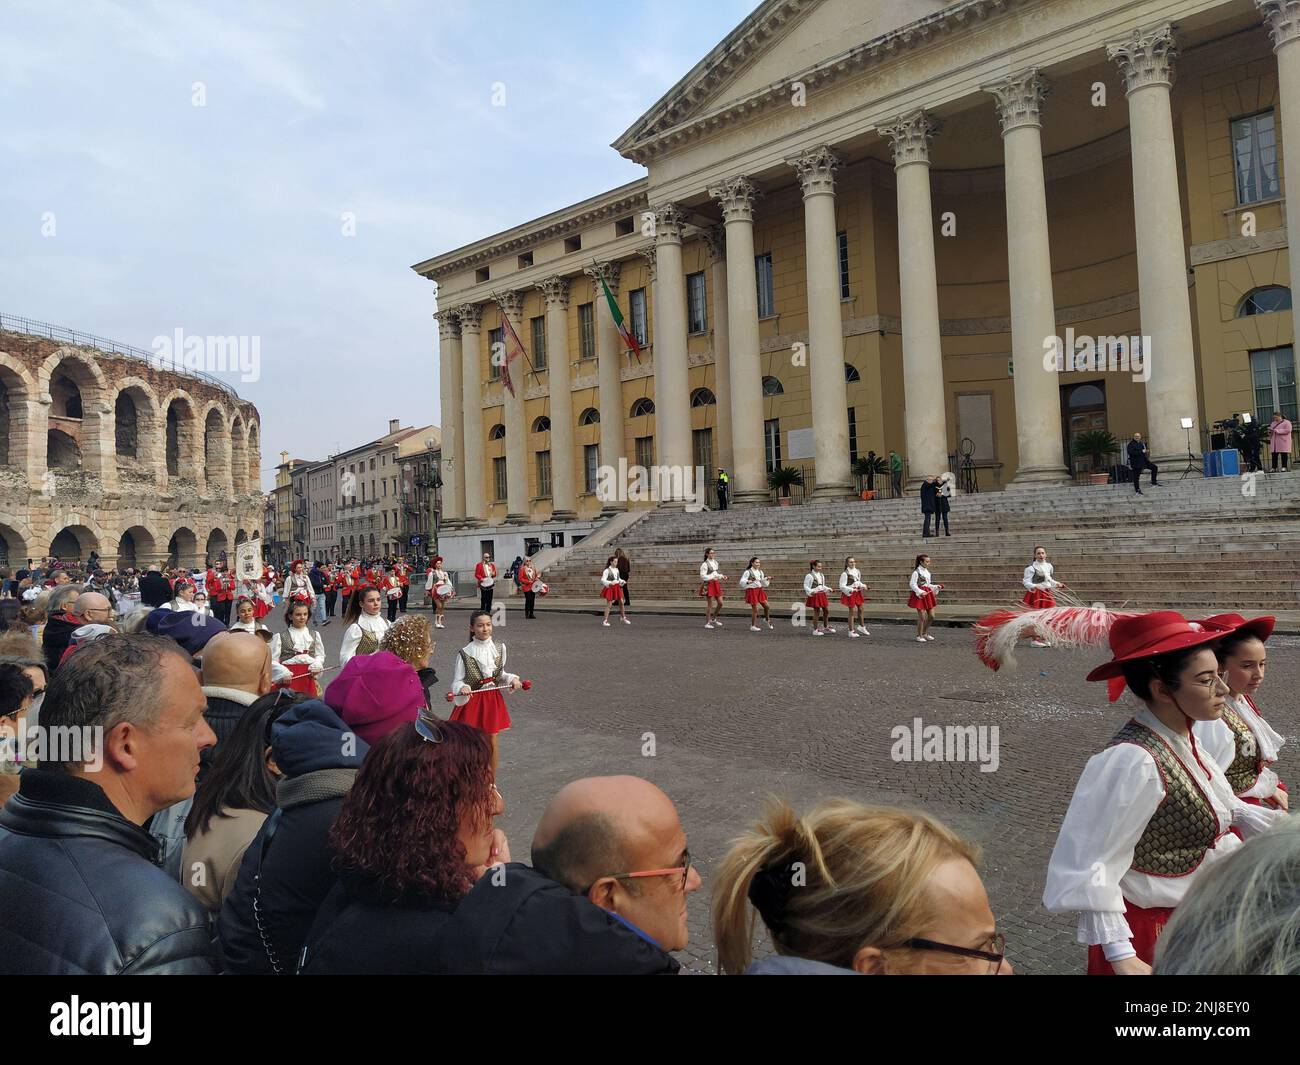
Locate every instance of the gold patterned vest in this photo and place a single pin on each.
(474, 674)
(1246, 763)
(367, 645)
(1184, 826)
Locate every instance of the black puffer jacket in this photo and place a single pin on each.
(56, 637)
(82, 893)
(155, 590)
(320, 757)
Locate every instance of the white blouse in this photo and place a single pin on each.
(484, 653)
(435, 578)
(375, 624)
(610, 577)
(814, 582)
(920, 581)
(308, 644)
(1216, 738)
(709, 570)
(181, 605)
(295, 585)
(754, 578)
(1091, 865)
(849, 580)
(246, 626)
(1046, 569)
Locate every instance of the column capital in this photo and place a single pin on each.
(556, 291)
(1020, 99)
(448, 324)
(652, 260)
(1145, 57)
(669, 219)
(470, 316)
(609, 271)
(1282, 17)
(715, 240)
(511, 303)
(816, 169)
(910, 136)
(736, 196)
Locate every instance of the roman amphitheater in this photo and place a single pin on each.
(107, 451)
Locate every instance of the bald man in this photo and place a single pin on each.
(82, 608)
(236, 673)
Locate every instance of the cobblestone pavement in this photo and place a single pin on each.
(738, 715)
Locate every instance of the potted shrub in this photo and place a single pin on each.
(865, 466)
(1095, 445)
(782, 478)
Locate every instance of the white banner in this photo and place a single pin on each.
(248, 560)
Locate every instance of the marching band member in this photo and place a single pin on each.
(754, 584)
(365, 625)
(711, 578)
(485, 576)
(922, 597)
(297, 585)
(1241, 741)
(853, 596)
(529, 577)
(815, 596)
(612, 590)
(1039, 583)
(246, 617)
(347, 584)
(330, 574)
(301, 650)
(1152, 811)
(440, 589)
(391, 586)
(183, 592)
(404, 576)
(482, 663)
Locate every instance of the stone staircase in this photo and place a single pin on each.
(1195, 544)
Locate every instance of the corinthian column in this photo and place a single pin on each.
(1146, 60)
(512, 306)
(715, 240)
(830, 402)
(736, 197)
(609, 372)
(564, 499)
(1283, 20)
(1033, 308)
(470, 316)
(451, 395)
(672, 380)
(923, 388)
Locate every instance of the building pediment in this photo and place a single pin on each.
(782, 42)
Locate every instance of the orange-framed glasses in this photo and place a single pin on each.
(684, 870)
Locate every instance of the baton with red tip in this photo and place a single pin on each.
(460, 699)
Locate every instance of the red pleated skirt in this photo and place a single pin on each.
(260, 609)
(925, 601)
(303, 680)
(1145, 924)
(612, 592)
(755, 596)
(486, 711)
(818, 601)
(1039, 599)
(856, 599)
(715, 589)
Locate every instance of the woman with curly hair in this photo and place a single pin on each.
(413, 837)
(411, 639)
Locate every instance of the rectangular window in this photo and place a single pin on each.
(645, 451)
(586, 331)
(842, 240)
(499, 479)
(487, 547)
(702, 452)
(1254, 151)
(1273, 375)
(538, 325)
(772, 443)
(696, 315)
(636, 301)
(590, 463)
(766, 292)
(385, 520)
(544, 474)
(496, 343)
(853, 434)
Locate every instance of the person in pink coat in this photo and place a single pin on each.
(1279, 433)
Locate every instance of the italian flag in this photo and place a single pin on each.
(619, 324)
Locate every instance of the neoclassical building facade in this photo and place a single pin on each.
(865, 225)
(106, 452)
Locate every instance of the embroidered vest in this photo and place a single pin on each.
(287, 651)
(1246, 763)
(1184, 825)
(474, 674)
(368, 644)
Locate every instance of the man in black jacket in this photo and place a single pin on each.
(82, 891)
(154, 588)
(1139, 459)
(929, 505)
(236, 673)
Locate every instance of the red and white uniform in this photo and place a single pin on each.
(611, 585)
(923, 593)
(1039, 585)
(486, 710)
(815, 591)
(392, 587)
(485, 574)
(712, 576)
(302, 652)
(298, 586)
(1218, 740)
(754, 584)
(852, 588)
(439, 579)
(1122, 909)
(528, 576)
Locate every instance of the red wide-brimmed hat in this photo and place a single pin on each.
(1260, 626)
(1148, 635)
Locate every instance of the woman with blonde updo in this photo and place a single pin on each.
(854, 889)
(411, 639)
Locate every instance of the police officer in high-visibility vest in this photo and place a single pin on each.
(724, 488)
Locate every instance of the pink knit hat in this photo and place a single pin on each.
(374, 694)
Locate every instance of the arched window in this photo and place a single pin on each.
(702, 397)
(851, 373)
(542, 425)
(1086, 396)
(772, 387)
(497, 432)
(1265, 300)
(590, 416)
(643, 406)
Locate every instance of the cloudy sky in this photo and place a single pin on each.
(272, 170)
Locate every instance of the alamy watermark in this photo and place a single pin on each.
(210, 354)
(635, 484)
(919, 742)
(66, 744)
(1098, 354)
